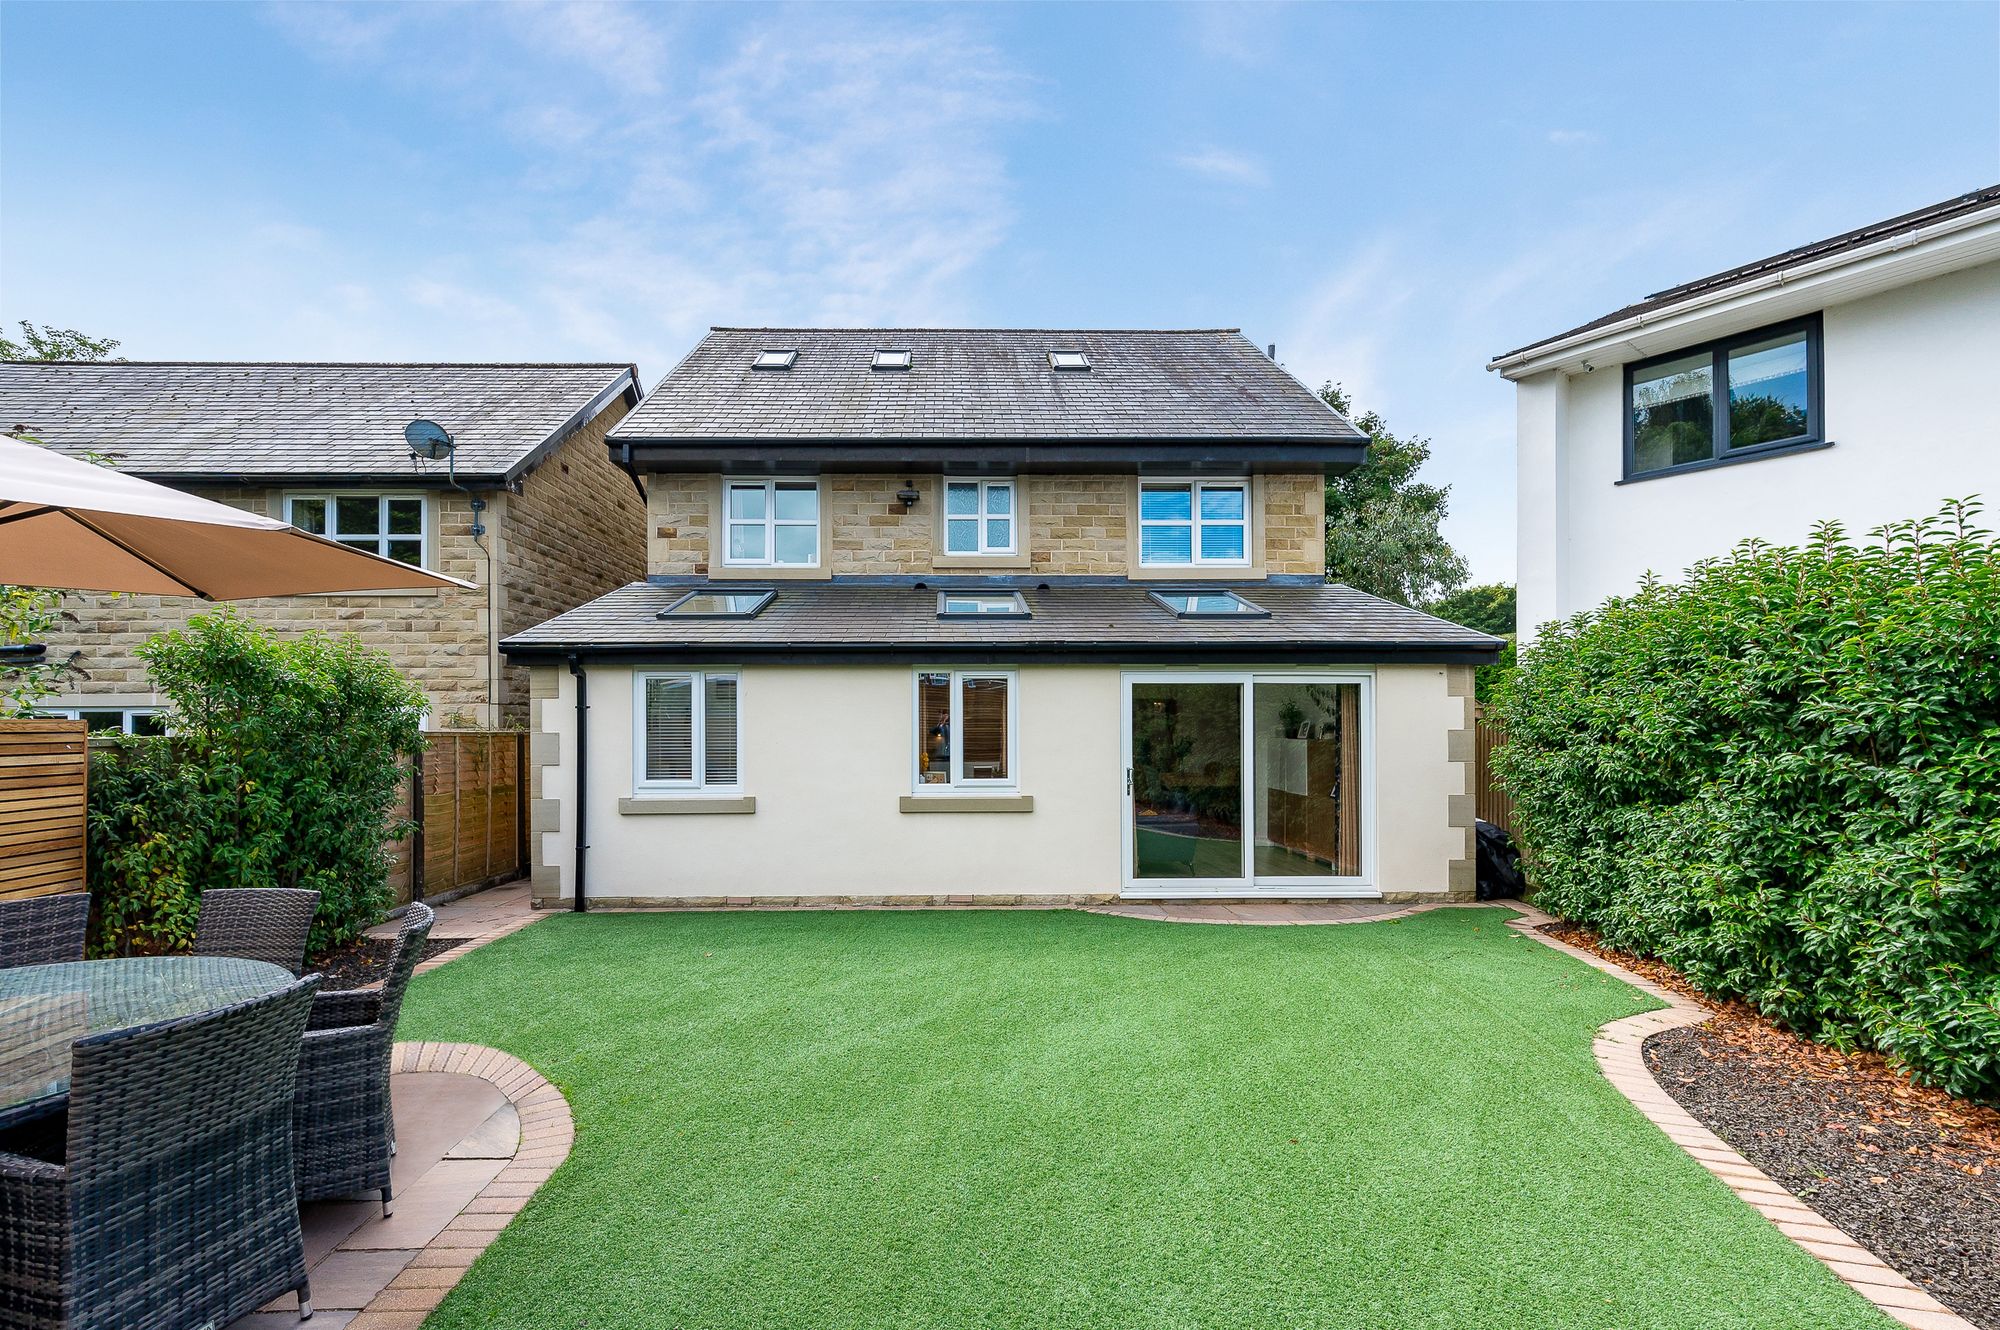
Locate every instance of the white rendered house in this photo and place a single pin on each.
(1850, 379)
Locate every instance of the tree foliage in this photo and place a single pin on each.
(282, 770)
(1489, 608)
(1382, 523)
(51, 343)
(1778, 776)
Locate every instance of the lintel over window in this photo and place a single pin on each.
(1731, 400)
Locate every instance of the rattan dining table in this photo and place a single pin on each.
(44, 1009)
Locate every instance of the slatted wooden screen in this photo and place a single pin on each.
(1493, 802)
(44, 787)
(471, 808)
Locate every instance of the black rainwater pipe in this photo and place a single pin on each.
(582, 774)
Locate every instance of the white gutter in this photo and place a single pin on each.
(1549, 354)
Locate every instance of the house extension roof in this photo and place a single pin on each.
(286, 422)
(1114, 623)
(971, 386)
(1965, 205)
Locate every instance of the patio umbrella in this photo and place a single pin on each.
(72, 526)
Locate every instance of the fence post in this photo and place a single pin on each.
(417, 815)
(521, 863)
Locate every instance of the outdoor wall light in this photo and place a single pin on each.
(908, 496)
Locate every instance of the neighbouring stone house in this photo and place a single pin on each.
(993, 615)
(531, 506)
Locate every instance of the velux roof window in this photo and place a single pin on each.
(1209, 605)
(1071, 360)
(719, 605)
(892, 360)
(780, 358)
(981, 604)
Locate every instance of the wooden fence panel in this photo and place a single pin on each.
(44, 790)
(471, 809)
(1491, 799)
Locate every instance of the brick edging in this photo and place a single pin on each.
(547, 1132)
(1619, 1056)
(478, 940)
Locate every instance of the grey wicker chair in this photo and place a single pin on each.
(344, 1129)
(168, 1200)
(256, 923)
(42, 930)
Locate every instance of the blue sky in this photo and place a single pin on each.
(1390, 193)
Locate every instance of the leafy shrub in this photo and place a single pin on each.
(282, 772)
(1782, 777)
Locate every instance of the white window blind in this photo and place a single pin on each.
(688, 731)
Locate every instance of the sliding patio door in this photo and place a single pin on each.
(1247, 784)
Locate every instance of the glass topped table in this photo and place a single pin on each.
(46, 1008)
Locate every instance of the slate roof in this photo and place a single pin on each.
(982, 385)
(292, 421)
(1975, 201)
(1319, 623)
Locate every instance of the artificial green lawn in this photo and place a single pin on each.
(1055, 1119)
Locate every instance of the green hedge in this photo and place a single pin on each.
(282, 772)
(1782, 777)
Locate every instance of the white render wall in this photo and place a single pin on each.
(1910, 379)
(826, 751)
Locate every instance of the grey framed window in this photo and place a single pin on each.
(978, 604)
(719, 605)
(1733, 400)
(1208, 605)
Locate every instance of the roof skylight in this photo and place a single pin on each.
(981, 604)
(892, 360)
(775, 358)
(719, 605)
(1068, 360)
(1208, 605)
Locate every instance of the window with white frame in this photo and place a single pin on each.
(112, 720)
(771, 523)
(965, 730)
(979, 517)
(1187, 522)
(687, 731)
(388, 524)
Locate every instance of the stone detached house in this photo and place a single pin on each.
(993, 615)
(530, 505)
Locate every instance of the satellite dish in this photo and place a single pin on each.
(427, 438)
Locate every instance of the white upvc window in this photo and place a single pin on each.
(979, 517)
(1185, 523)
(111, 720)
(393, 525)
(770, 523)
(686, 731)
(964, 730)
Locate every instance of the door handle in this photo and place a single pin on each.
(1128, 780)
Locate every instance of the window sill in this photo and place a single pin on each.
(1758, 455)
(691, 804)
(943, 562)
(1198, 572)
(966, 803)
(748, 572)
(402, 592)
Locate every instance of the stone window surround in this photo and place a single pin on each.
(721, 570)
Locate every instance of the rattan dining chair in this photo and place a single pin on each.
(42, 930)
(169, 1199)
(344, 1128)
(256, 923)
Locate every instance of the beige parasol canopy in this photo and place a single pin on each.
(69, 525)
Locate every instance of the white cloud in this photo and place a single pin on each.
(1220, 164)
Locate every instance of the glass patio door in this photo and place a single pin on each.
(1187, 781)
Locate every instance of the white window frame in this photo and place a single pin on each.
(698, 731)
(1364, 885)
(770, 521)
(956, 780)
(381, 535)
(982, 519)
(127, 716)
(1195, 489)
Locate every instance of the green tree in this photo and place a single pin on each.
(1382, 523)
(51, 343)
(1489, 608)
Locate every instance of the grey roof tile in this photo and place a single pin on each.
(198, 419)
(982, 384)
(806, 617)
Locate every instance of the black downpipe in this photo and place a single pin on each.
(582, 774)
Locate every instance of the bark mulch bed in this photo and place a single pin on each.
(1910, 1173)
(365, 960)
